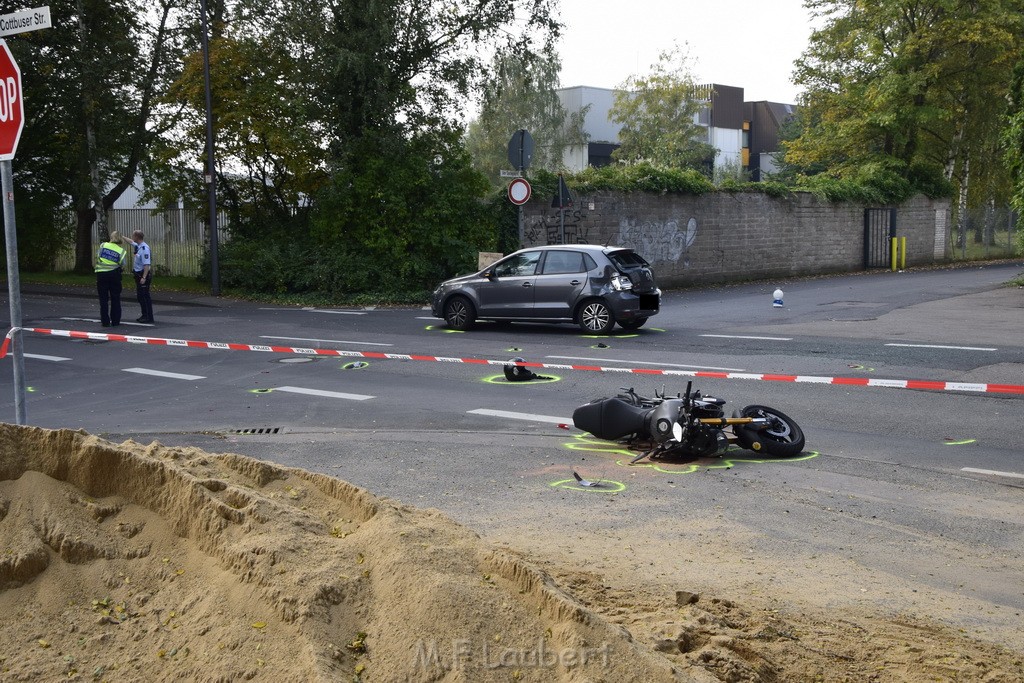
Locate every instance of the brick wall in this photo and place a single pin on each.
(724, 237)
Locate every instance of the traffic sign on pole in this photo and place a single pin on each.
(12, 111)
(520, 150)
(519, 191)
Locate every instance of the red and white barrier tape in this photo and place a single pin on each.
(808, 379)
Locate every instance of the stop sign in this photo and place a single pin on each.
(12, 113)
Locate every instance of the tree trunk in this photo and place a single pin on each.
(84, 217)
(962, 208)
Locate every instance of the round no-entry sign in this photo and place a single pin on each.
(519, 191)
(12, 113)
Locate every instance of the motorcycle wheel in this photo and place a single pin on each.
(782, 438)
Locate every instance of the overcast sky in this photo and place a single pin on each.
(751, 44)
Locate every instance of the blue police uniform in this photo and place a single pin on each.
(143, 269)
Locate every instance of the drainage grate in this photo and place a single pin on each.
(258, 430)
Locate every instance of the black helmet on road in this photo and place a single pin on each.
(517, 373)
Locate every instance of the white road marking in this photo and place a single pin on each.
(939, 346)
(97, 321)
(331, 341)
(1012, 475)
(325, 394)
(642, 362)
(325, 310)
(740, 336)
(161, 373)
(40, 356)
(426, 317)
(520, 416)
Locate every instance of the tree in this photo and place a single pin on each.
(91, 87)
(1013, 145)
(520, 94)
(907, 89)
(355, 116)
(658, 115)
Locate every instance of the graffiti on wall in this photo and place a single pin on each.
(547, 229)
(659, 240)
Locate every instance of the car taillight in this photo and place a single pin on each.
(621, 283)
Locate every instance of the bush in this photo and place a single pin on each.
(642, 177)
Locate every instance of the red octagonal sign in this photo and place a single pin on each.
(12, 113)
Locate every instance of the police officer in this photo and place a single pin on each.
(143, 269)
(110, 259)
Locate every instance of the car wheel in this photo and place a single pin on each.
(595, 317)
(634, 324)
(459, 313)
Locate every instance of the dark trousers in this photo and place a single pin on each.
(108, 284)
(142, 294)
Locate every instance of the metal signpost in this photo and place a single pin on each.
(563, 199)
(12, 121)
(520, 153)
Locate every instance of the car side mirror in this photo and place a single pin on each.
(489, 273)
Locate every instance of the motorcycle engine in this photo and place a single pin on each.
(702, 441)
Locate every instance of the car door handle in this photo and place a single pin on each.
(527, 284)
(574, 282)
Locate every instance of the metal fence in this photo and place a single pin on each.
(987, 232)
(178, 238)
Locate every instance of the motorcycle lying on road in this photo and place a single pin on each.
(688, 425)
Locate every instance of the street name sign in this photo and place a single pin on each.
(24, 20)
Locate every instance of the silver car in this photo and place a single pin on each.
(590, 285)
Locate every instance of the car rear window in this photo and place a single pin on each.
(627, 259)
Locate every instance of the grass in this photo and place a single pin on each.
(193, 286)
(177, 283)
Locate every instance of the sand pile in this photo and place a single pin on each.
(126, 562)
(148, 563)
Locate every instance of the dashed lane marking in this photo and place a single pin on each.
(329, 341)
(333, 312)
(940, 346)
(324, 394)
(740, 336)
(994, 473)
(530, 417)
(643, 362)
(39, 356)
(161, 373)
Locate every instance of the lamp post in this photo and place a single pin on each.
(211, 173)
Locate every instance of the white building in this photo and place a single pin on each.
(727, 119)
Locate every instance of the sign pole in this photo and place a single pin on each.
(12, 121)
(522, 234)
(14, 290)
(520, 153)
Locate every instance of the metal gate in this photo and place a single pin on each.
(879, 227)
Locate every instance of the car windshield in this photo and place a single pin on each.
(627, 259)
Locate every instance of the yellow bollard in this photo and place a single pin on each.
(893, 244)
(903, 253)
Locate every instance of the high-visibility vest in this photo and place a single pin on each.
(111, 257)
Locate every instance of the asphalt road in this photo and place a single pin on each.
(901, 483)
